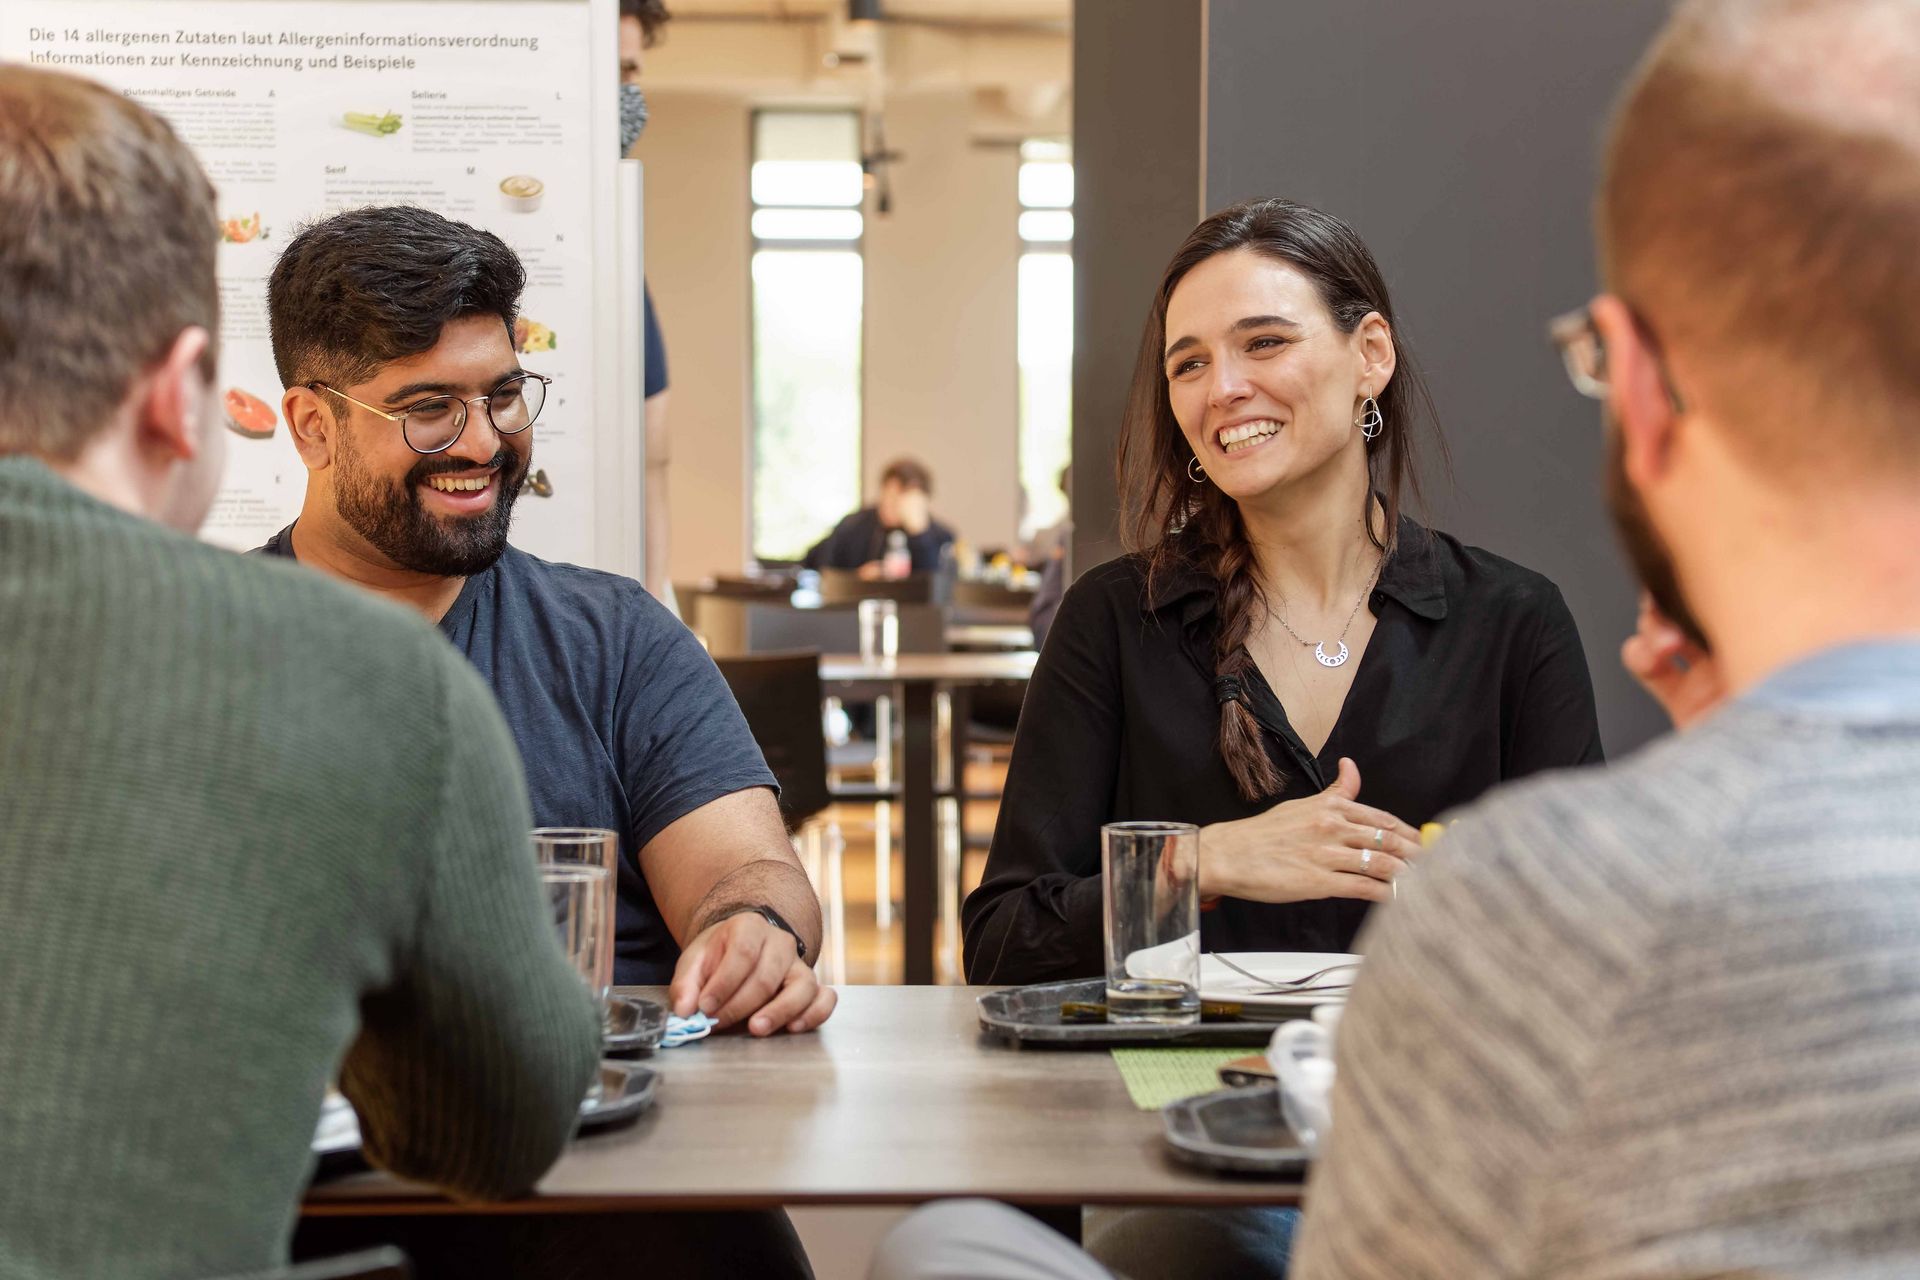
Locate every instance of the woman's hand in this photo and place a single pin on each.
(1306, 849)
(1680, 675)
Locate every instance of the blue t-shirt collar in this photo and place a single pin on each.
(1872, 679)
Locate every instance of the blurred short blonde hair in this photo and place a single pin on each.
(1761, 205)
(107, 242)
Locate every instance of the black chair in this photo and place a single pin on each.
(971, 594)
(845, 586)
(779, 693)
(765, 587)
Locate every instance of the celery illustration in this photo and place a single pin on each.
(378, 126)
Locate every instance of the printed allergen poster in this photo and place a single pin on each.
(485, 112)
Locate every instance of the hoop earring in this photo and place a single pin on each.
(1193, 465)
(1370, 421)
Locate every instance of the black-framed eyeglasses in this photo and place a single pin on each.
(1585, 353)
(432, 425)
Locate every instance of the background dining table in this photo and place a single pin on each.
(898, 1099)
(916, 678)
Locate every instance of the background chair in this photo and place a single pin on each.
(779, 693)
(846, 586)
(969, 593)
(836, 628)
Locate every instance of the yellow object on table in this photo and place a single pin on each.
(1155, 1077)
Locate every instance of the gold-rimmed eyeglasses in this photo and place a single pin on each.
(433, 425)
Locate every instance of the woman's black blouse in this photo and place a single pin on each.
(1474, 674)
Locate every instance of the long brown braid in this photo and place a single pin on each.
(1177, 523)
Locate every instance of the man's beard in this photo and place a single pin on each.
(1652, 563)
(399, 527)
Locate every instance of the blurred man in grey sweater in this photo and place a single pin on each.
(1663, 1019)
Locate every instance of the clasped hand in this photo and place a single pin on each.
(1315, 847)
(1680, 675)
(744, 968)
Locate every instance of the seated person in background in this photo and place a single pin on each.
(1047, 597)
(393, 332)
(860, 540)
(255, 828)
(1054, 539)
(1662, 1020)
(1281, 632)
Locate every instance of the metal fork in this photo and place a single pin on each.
(1281, 988)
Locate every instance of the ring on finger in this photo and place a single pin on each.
(1366, 859)
(1379, 837)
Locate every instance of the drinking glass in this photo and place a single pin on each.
(595, 846)
(879, 630)
(1151, 909)
(580, 897)
(592, 849)
(581, 900)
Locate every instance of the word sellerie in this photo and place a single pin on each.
(181, 47)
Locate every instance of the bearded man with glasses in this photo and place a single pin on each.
(393, 331)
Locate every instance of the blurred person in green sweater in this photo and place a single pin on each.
(257, 830)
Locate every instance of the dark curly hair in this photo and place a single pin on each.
(368, 286)
(652, 15)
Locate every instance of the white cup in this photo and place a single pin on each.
(1301, 1054)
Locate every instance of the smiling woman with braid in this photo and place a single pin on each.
(1284, 658)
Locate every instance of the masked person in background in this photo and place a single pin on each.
(640, 24)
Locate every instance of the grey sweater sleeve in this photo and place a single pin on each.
(469, 1070)
(1490, 1010)
(1661, 1019)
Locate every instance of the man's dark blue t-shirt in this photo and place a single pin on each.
(621, 719)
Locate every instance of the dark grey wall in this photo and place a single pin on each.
(1459, 137)
(1137, 152)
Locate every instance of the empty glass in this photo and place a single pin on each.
(1151, 909)
(879, 630)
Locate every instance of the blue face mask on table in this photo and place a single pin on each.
(633, 116)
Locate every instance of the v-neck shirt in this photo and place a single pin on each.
(1474, 674)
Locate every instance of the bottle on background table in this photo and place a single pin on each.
(898, 560)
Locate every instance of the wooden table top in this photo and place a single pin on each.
(949, 668)
(897, 1100)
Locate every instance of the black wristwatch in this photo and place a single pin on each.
(779, 922)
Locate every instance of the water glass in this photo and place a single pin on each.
(594, 846)
(879, 630)
(580, 898)
(587, 847)
(581, 901)
(1151, 909)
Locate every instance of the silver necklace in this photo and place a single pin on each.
(1320, 653)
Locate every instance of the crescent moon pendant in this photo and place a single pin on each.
(1326, 659)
